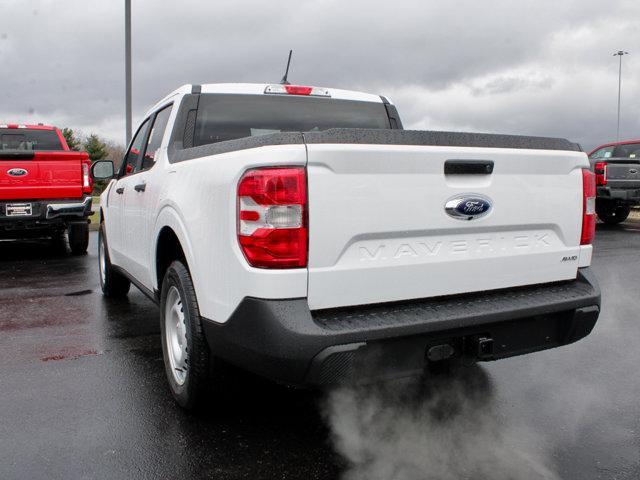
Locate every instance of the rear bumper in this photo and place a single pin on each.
(66, 209)
(625, 195)
(45, 214)
(285, 341)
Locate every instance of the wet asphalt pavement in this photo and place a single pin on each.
(83, 395)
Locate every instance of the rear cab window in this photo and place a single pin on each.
(630, 150)
(222, 117)
(29, 139)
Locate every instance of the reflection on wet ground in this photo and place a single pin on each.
(83, 395)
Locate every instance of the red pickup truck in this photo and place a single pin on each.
(617, 169)
(45, 188)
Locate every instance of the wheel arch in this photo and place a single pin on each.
(168, 249)
(171, 243)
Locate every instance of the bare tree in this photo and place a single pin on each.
(115, 153)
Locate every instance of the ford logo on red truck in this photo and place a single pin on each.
(17, 172)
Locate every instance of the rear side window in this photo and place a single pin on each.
(223, 117)
(604, 152)
(27, 139)
(155, 137)
(631, 150)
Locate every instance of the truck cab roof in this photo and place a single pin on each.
(613, 144)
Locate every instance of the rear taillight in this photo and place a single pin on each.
(87, 183)
(600, 169)
(588, 206)
(272, 217)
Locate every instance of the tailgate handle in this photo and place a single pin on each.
(17, 155)
(468, 167)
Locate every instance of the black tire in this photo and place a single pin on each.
(59, 241)
(198, 361)
(612, 214)
(78, 238)
(112, 283)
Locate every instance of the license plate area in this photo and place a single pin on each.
(18, 210)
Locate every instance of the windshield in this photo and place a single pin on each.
(228, 117)
(630, 150)
(27, 139)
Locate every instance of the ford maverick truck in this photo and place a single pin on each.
(45, 188)
(300, 233)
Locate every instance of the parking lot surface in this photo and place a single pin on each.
(83, 395)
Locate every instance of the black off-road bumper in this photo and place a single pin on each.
(45, 216)
(285, 341)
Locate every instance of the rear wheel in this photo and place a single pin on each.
(113, 283)
(186, 354)
(78, 238)
(612, 213)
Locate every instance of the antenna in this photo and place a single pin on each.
(284, 80)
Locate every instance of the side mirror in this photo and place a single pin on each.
(102, 170)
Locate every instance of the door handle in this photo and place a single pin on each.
(141, 187)
(120, 190)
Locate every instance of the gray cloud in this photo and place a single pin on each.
(511, 84)
(537, 67)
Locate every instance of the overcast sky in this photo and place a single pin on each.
(527, 66)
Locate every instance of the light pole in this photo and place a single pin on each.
(619, 53)
(127, 66)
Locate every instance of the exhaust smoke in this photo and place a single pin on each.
(442, 427)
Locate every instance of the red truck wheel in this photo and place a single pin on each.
(611, 213)
(78, 238)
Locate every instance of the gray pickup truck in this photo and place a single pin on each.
(617, 169)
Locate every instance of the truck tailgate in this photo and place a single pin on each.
(623, 173)
(379, 232)
(40, 175)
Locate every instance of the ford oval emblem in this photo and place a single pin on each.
(468, 207)
(17, 172)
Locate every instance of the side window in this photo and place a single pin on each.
(155, 138)
(604, 152)
(131, 160)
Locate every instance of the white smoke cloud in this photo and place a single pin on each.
(443, 428)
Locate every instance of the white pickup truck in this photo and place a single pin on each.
(302, 234)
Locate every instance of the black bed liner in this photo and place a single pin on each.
(377, 137)
(440, 139)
